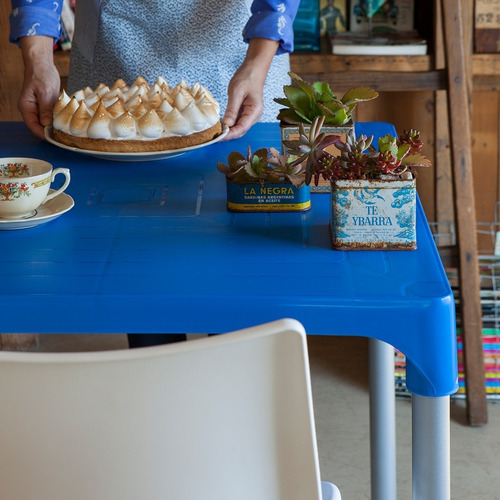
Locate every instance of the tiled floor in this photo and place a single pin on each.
(340, 393)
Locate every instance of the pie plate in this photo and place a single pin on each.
(143, 156)
(44, 213)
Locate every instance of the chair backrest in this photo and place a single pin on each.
(219, 418)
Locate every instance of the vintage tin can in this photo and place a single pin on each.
(269, 197)
(291, 133)
(373, 215)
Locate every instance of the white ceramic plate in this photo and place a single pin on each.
(44, 213)
(155, 155)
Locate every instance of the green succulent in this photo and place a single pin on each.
(310, 149)
(360, 160)
(262, 166)
(397, 157)
(288, 167)
(306, 101)
(357, 157)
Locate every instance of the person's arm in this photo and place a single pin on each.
(35, 26)
(245, 102)
(268, 32)
(41, 83)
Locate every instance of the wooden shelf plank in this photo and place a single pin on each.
(486, 64)
(382, 81)
(320, 62)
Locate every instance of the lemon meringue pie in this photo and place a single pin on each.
(137, 118)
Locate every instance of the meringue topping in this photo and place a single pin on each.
(123, 126)
(81, 120)
(99, 124)
(150, 125)
(139, 111)
(62, 119)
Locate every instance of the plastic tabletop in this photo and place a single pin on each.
(150, 247)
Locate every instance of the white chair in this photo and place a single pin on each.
(220, 418)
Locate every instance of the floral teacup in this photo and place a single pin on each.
(24, 186)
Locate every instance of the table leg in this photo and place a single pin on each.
(431, 447)
(382, 421)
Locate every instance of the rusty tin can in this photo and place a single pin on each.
(373, 215)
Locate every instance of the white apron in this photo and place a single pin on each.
(194, 40)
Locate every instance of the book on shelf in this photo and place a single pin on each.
(306, 26)
(332, 17)
(487, 26)
(64, 42)
(67, 25)
(68, 19)
(408, 43)
(392, 15)
(316, 18)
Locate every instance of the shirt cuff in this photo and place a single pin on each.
(29, 21)
(272, 25)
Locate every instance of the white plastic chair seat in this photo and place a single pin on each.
(220, 418)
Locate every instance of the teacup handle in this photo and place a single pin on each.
(56, 171)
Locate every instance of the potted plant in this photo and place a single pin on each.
(373, 200)
(304, 102)
(265, 181)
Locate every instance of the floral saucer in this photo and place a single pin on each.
(44, 213)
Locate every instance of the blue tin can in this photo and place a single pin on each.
(267, 197)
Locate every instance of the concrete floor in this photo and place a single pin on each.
(340, 393)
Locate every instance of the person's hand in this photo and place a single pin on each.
(41, 83)
(245, 104)
(245, 100)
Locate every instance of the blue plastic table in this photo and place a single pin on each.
(150, 247)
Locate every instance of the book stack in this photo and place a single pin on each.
(405, 43)
(389, 31)
(350, 30)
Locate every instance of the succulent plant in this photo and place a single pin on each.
(357, 158)
(310, 149)
(412, 137)
(394, 159)
(308, 160)
(254, 167)
(263, 166)
(288, 167)
(306, 101)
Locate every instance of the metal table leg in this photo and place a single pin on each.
(382, 421)
(431, 447)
